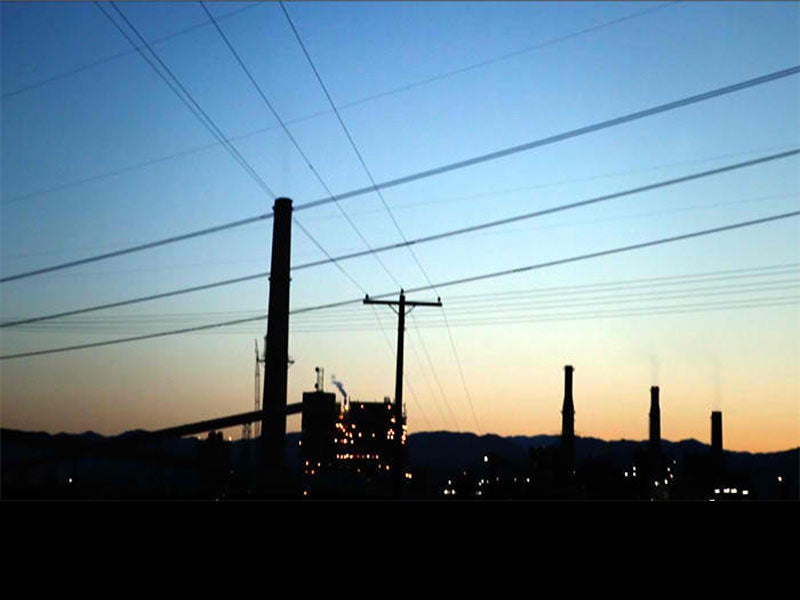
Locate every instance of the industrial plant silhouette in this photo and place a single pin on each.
(355, 449)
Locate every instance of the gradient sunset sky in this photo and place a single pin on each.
(99, 154)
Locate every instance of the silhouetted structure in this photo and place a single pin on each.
(350, 449)
(276, 353)
(655, 420)
(399, 410)
(215, 465)
(320, 415)
(568, 425)
(652, 475)
(716, 435)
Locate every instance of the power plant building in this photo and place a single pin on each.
(350, 446)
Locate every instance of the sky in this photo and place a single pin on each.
(98, 154)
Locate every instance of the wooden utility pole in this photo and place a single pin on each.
(398, 466)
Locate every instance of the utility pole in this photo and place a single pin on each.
(398, 381)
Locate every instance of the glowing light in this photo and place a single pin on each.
(70, 479)
(727, 491)
(656, 484)
(780, 479)
(734, 491)
(716, 491)
(745, 492)
(527, 480)
(485, 458)
(305, 492)
(626, 473)
(666, 482)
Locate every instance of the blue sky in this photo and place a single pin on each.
(419, 85)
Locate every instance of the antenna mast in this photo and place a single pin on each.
(259, 361)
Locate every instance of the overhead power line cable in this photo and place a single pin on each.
(122, 54)
(421, 240)
(294, 141)
(464, 163)
(184, 95)
(430, 172)
(360, 253)
(353, 103)
(367, 171)
(563, 136)
(452, 282)
(352, 315)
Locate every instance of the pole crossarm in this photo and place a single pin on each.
(368, 300)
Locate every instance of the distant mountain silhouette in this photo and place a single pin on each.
(436, 456)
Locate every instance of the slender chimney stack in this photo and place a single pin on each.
(716, 433)
(655, 419)
(568, 422)
(276, 353)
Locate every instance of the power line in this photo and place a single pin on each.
(138, 248)
(638, 246)
(330, 259)
(311, 116)
(367, 171)
(566, 135)
(503, 317)
(186, 98)
(442, 412)
(506, 56)
(215, 130)
(449, 283)
(360, 253)
(293, 140)
(472, 161)
(768, 302)
(554, 299)
(118, 55)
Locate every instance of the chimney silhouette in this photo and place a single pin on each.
(276, 352)
(568, 422)
(716, 434)
(655, 420)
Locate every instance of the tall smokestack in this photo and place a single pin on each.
(276, 354)
(655, 419)
(568, 421)
(716, 433)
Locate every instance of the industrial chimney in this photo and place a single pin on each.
(655, 420)
(276, 353)
(716, 434)
(568, 422)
